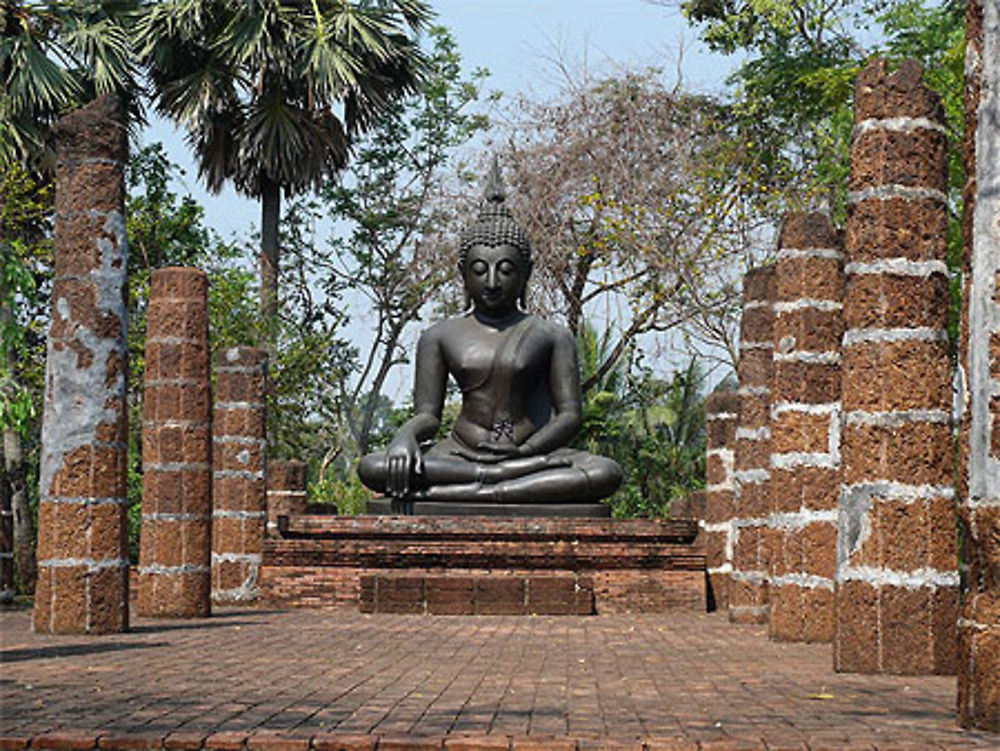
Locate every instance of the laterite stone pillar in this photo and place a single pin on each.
(82, 553)
(239, 491)
(176, 543)
(897, 577)
(805, 428)
(979, 466)
(748, 586)
(721, 412)
(286, 491)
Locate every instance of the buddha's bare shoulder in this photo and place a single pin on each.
(443, 331)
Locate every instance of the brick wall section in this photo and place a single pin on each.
(286, 491)
(721, 411)
(239, 493)
(979, 475)
(176, 540)
(897, 580)
(805, 428)
(82, 582)
(748, 584)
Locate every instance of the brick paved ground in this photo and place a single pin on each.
(693, 678)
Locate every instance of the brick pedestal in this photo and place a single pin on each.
(897, 579)
(286, 491)
(485, 565)
(176, 542)
(239, 492)
(979, 466)
(748, 584)
(805, 428)
(721, 411)
(82, 556)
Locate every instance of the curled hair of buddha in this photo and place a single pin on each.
(495, 224)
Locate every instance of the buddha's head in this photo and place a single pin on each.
(494, 254)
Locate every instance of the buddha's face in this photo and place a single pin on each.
(494, 278)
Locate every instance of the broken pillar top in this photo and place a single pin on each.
(880, 95)
(94, 131)
(802, 230)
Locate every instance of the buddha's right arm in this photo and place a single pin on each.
(428, 389)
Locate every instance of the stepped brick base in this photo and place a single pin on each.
(480, 565)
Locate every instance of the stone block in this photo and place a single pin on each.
(895, 301)
(857, 633)
(500, 596)
(805, 382)
(915, 229)
(893, 376)
(808, 330)
(913, 453)
(914, 158)
(793, 431)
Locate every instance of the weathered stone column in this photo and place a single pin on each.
(239, 491)
(748, 588)
(6, 538)
(979, 466)
(897, 578)
(805, 428)
(176, 541)
(286, 491)
(82, 554)
(721, 412)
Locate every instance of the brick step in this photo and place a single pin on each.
(485, 593)
(677, 531)
(572, 555)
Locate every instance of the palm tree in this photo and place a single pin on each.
(55, 56)
(272, 92)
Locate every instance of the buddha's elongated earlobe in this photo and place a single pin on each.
(522, 300)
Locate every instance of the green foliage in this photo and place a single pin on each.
(654, 429)
(345, 491)
(26, 211)
(795, 86)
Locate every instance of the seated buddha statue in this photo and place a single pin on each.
(521, 398)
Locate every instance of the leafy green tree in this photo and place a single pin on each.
(794, 87)
(26, 211)
(273, 92)
(55, 56)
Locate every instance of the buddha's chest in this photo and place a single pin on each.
(496, 360)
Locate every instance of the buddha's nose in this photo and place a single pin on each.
(492, 279)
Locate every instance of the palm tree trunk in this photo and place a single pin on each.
(270, 252)
(24, 523)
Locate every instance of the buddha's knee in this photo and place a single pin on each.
(604, 475)
(371, 470)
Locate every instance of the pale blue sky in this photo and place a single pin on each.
(513, 38)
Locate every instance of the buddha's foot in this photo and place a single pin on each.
(473, 492)
(526, 465)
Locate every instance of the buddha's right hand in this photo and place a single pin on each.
(403, 460)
